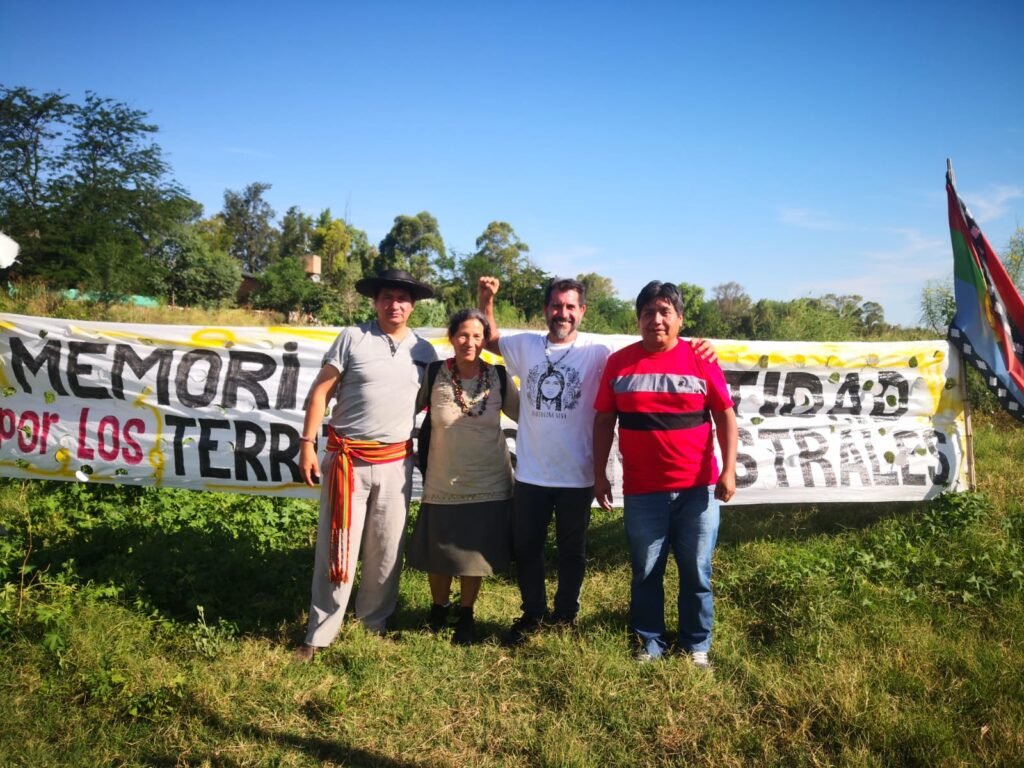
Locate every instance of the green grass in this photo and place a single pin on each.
(144, 627)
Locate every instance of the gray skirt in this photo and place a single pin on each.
(462, 539)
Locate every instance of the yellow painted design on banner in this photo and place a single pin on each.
(62, 471)
(223, 487)
(214, 337)
(156, 453)
(314, 333)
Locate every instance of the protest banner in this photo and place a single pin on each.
(221, 409)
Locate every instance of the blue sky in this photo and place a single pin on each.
(795, 148)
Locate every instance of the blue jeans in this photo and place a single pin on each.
(687, 523)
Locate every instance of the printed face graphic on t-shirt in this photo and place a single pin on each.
(553, 385)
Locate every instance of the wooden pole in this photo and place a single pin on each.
(972, 480)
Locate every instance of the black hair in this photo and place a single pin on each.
(659, 290)
(565, 284)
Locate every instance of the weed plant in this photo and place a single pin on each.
(153, 627)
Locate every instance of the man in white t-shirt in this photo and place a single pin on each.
(559, 374)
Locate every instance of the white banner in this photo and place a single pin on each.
(220, 409)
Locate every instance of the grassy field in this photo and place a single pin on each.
(145, 627)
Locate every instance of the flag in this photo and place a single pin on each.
(988, 326)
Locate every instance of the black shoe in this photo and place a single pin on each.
(465, 627)
(562, 620)
(437, 619)
(522, 628)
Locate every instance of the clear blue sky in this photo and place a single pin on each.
(796, 148)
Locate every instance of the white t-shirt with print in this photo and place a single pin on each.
(557, 387)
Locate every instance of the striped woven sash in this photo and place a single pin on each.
(340, 485)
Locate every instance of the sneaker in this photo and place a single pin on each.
(649, 650)
(643, 656)
(437, 619)
(700, 659)
(522, 628)
(465, 627)
(562, 620)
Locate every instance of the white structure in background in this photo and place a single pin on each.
(8, 251)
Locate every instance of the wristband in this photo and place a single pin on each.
(310, 440)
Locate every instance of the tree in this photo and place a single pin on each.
(733, 305)
(525, 290)
(296, 238)
(85, 189)
(361, 251)
(453, 288)
(345, 256)
(194, 273)
(429, 313)
(499, 252)
(248, 218)
(846, 307)
(285, 287)
(500, 248)
(693, 309)
(117, 204)
(410, 245)
(873, 317)
(938, 305)
(332, 240)
(30, 128)
(712, 326)
(214, 233)
(1013, 258)
(606, 313)
(809, 319)
(598, 287)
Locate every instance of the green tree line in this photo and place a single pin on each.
(88, 195)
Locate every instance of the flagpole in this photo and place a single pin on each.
(972, 480)
(949, 171)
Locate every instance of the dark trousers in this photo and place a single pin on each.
(531, 517)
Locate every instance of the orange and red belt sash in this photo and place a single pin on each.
(341, 482)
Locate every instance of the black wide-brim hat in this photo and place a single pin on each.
(394, 278)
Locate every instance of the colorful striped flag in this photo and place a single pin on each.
(988, 326)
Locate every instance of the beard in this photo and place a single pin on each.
(560, 330)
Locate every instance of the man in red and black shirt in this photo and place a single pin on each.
(664, 398)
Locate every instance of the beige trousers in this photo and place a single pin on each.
(380, 506)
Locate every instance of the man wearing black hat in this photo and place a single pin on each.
(374, 372)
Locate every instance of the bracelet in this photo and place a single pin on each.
(310, 440)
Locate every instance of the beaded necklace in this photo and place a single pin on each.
(481, 386)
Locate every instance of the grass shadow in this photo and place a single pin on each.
(325, 751)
